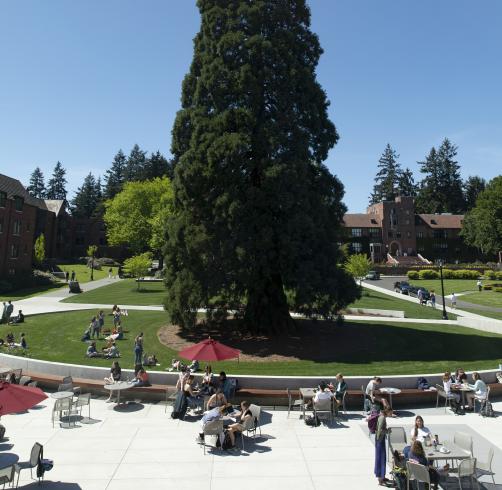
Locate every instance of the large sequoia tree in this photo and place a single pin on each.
(257, 213)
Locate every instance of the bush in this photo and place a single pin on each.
(41, 278)
(466, 274)
(413, 275)
(489, 274)
(448, 274)
(488, 287)
(498, 275)
(428, 274)
(498, 290)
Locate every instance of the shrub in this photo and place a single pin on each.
(498, 275)
(428, 274)
(413, 275)
(498, 290)
(448, 274)
(489, 274)
(466, 274)
(488, 287)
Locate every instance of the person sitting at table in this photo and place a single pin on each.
(417, 455)
(453, 397)
(340, 389)
(244, 415)
(460, 376)
(192, 399)
(112, 351)
(92, 351)
(419, 432)
(224, 384)
(141, 378)
(215, 413)
(115, 374)
(371, 398)
(194, 366)
(216, 400)
(182, 378)
(479, 390)
(207, 379)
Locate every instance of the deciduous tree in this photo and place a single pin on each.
(138, 265)
(358, 265)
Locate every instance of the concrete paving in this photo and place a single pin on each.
(144, 447)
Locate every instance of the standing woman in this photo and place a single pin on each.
(380, 450)
(138, 349)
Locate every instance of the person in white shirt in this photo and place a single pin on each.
(479, 388)
(420, 432)
(370, 393)
(323, 393)
(453, 300)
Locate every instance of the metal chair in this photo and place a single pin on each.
(464, 441)
(81, 402)
(441, 393)
(213, 428)
(17, 374)
(467, 469)
(68, 380)
(248, 425)
(484, 468)
(170, 397)
(323, 408)
(293, 403)
(256, 411)
(61, 407)
(481, 399)
(31, 463)
(417, 472)
(7, 475)
(397, 439)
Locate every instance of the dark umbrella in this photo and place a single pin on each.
(210, 350)
(15, 398)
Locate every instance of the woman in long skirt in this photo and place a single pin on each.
(380, 451)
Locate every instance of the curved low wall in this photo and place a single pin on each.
(245, 381)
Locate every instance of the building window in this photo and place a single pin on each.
(357, 232)
(357, 247)
(1, 225)
(393, 218)
(28, 227)
(25, 249)
(375, 232)
(18, 203)
(17, 227)
(440, 233)
(3, 199)
(407, 221)
(14, 251)
(12, 271)
(408, 234)
(398, 234)
(390, 234)
(420, 234)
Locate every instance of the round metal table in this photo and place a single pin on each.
(8, 459)
(390, 392)
(118, 387)
(5, 370)
(59, 395)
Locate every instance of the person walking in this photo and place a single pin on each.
(420, 295)
(110, 271)
(380, 449)
(453, 301)
(72, 275)
(479, 285)
(433, 299)
(67, 276)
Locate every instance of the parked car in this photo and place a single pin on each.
(373, 275)
(402, 287)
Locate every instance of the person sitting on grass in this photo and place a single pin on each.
(87, 335)
(194, 366)
(92, 351)
(9, 340)
(245, 416)
(150, 360)
(141, 378)
(19, 318)
(112, 351)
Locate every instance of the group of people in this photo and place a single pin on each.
(477, 389)
(140, 377)
(331, 391)
(10, 341)
(8, 317)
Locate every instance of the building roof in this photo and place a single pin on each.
(361, 220)
(55, 205)
(13, 187)
(442, 220)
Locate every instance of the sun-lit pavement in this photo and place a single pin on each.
(144, 447)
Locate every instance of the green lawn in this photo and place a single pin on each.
(489, 314)
(124, 292)
(356, 348)
(83, 273)
(450, 285)
(374, 299)
(29, 292)
(485, 298)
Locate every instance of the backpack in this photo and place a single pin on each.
(180, 406)
(312, 421)
(423, 384)
(372, 420)
(224, 441)
(487, 409)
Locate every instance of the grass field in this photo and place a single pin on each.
(485, 298)
(123, 293)
(374, 299)
(357, 348)
(29, 292)
(450, 285)
(83, 273)
(490, 314)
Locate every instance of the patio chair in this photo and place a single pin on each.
(7, 475)
(397, 440)
(484, 468)
(464, 441)
(61, 407)
(323, 408)
(441, 393)
(293, 403)
(31, 463)
(81, 402)
(481, 399)
(256, 411)
(17, 374)
(344, 407)
(249, 425)
(213, 428)
(417, 472)
(466, 469)
(170, 397)
(68, 380)
(366, 402)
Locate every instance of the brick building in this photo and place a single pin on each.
(23, 218)
(391, 231)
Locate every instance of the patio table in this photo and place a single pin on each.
(455, 452)
(8, 459)
(59, 395)
(118, 387)
(390, 391)
(307, 394)
(463, 388)
(4, 370)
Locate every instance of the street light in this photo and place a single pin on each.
(445, 316)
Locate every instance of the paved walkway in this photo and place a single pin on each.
(142, 447)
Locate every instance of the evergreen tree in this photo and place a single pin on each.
(257, 213)
(37, 184)
(387, 180)
(473, 186)
(406, 184)
(86, 198)
(56, 188)
(135, 166)
(156, 166)
(115, 176)
(428, 199)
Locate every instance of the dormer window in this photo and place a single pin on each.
(3, 199)
(18, 203)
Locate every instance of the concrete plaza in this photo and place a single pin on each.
(143, 447)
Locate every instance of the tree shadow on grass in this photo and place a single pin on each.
(356, 343)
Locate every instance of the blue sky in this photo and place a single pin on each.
(81, 79)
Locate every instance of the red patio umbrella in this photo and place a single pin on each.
(15, 398)
(209, 350)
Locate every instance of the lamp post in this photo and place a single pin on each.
(445, 316)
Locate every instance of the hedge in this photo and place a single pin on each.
(428, 274)
(413, 275)
(498, 290)
(447, 274)
(466, 274)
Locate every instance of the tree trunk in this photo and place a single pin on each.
(267, 308)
